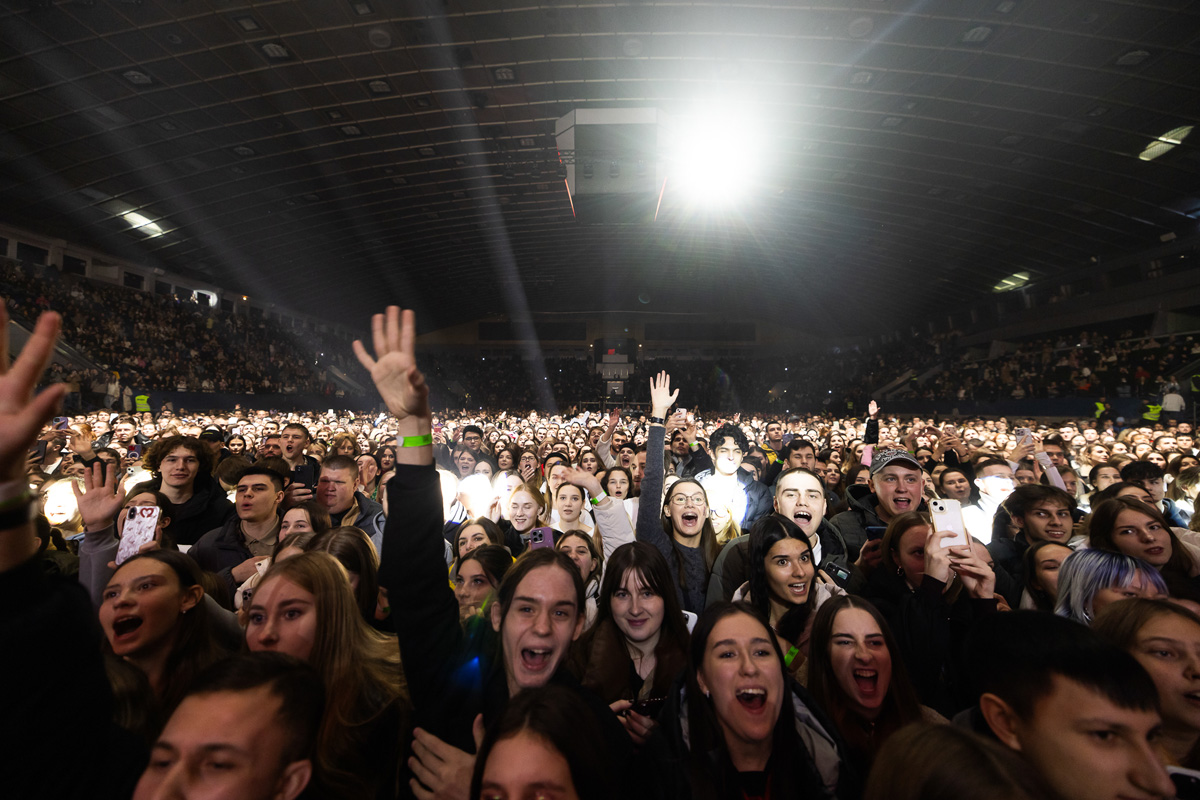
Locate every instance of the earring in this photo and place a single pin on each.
(708, 694)
(900, 571)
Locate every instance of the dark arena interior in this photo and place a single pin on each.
(799, 397)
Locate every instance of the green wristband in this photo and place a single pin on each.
(23, 499)
(417, 441)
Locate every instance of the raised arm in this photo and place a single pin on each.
(414, 567)
(611, 520)
(649, 523)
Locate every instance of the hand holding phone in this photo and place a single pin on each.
(141, 524)
(947, 517)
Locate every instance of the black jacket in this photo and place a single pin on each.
(222, 549)
(208, 508)
(929, 632)
(454, 672)
(852, 524)
(759, 502)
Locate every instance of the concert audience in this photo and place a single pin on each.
(585, 645)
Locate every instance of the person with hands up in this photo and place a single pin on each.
(47, 624)
(678, 526)
(537, 613)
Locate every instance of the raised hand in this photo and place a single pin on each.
(872, 409)
(661, 396)
(583, 479)
(103, 498)
(21, 414)
(394, 367)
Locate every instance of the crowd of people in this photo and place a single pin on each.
(235, 354)
(1087, 364)
(122, 331)
(675, 604)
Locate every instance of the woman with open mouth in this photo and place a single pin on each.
(853, 675)
(744, 728)
(1165, 639)
(682, 532)
(154, 618)
(1128, 525)
(786, 585)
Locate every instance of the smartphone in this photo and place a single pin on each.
(875, 531)
(839, 573)
(39, 450)
(540, 538)
(947, 516)
(134, 451)
(140, 524)
(1024, 436)
(1187, 783)
(305, 474)
(62, 423)
(649, 707)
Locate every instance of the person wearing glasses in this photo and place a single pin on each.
(682, 530)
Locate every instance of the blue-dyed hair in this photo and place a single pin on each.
(1085, 572)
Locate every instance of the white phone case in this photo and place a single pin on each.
(140, 525)
(947, 516)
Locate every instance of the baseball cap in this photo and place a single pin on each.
(893, 455)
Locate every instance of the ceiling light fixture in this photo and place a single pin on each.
(977, 35)
(715, 158)
(362, 8)
(1165, 143)
(1014, 281)
(137, 77)
(143, 224)
(275, 51)
(248, 24)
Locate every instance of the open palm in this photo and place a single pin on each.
(21, 414)
(394, 366)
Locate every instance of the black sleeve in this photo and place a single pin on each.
(423, 604)
(52, 674)
(871, 434)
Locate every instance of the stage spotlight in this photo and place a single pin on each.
(715, 160)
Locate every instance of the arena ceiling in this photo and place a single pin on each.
(334, 155)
